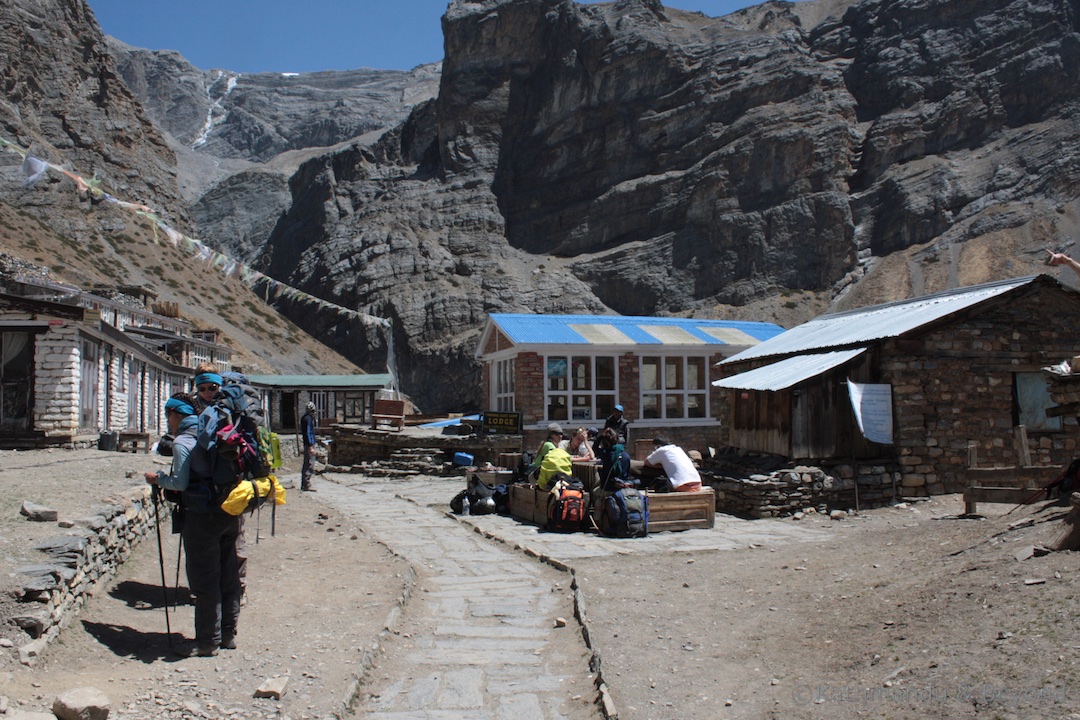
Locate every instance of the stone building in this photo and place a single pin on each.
(962, 367)
(574, 369)
(75, 365)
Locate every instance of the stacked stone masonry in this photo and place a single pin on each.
(76, 564)
(788, 491)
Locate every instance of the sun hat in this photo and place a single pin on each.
(555, 428)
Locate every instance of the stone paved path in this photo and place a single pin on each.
(483, 617)
(484, 644)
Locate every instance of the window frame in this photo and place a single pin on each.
(657, 402)
(573, 390)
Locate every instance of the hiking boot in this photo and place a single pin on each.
(194, 649)
(228, 642)
(308, 488)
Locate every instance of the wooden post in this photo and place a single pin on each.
(1023, 452)
(973, 454)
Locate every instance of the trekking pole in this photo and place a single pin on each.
(1045, 489)
(156, 494)
(176, 585)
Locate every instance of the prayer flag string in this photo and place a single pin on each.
(34, 168)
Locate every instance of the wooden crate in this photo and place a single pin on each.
(588, 474)
(529, 504)
(674, 511)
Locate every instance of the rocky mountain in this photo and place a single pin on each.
(623, 157)
(239, 137)
(64, 101)
(635, 158)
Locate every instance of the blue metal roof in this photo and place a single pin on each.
(877, 322)
(527, 329)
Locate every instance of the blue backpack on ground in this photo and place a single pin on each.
(625, 513)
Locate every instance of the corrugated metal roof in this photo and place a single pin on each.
(375, 381)
(527, 329)
(786, 373)
(878, 321)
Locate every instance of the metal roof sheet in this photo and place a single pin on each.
(786, 373)
(877, 322)
(528, 329)
(379, 380)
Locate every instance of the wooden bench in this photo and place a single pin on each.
(667, 511)
(390, 413)
(674, 511)
(132, 440)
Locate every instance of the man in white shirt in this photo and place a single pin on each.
(677, 465)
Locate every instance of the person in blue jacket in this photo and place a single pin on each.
(307, 432)
(209, 534)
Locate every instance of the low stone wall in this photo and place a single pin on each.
(791, 490)
(76, 564)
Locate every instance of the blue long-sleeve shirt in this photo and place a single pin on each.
(179, 475)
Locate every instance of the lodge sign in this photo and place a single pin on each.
(502, 423)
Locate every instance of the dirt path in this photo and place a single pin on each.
(319, 593)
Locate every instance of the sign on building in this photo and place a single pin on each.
(502, 423)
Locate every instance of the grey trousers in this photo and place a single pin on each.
(213, 574)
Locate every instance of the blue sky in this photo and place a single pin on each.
(299, 35)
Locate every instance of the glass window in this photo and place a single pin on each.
(695, 373)
(556, 374)
(580, 387)
(503, 392)
(605, 374)
(650, 373)
(673, 387)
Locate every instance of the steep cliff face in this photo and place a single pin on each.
(238, 137)
(62, 96)
(636, 158)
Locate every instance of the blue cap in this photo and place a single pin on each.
(619, 408)
(179, 406)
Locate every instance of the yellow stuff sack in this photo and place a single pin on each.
(243, 497)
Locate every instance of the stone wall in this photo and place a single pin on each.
(955, 387)
(56, 381)
(801, 488)
(76, 564)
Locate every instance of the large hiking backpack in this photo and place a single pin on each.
(625, 513)
(233, 433)
(566, 505)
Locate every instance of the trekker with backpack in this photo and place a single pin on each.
(307, 432)
(208, 532)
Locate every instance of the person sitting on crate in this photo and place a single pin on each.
(681, 475)
(554, 438)
(578, 446)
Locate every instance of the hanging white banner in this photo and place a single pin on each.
(873, 410)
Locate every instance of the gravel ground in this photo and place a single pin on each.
(315, 627)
